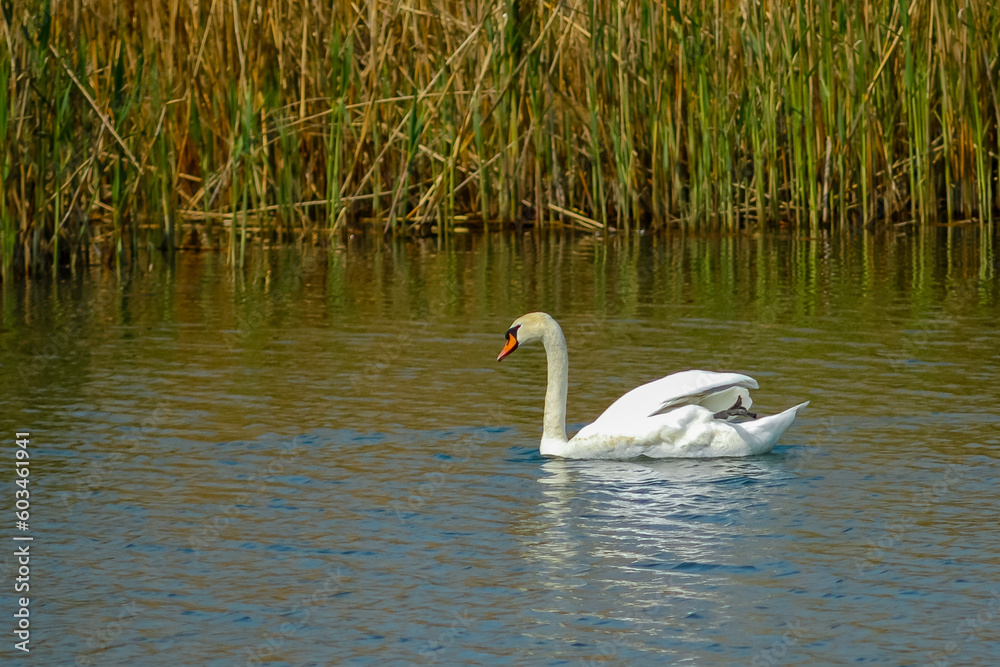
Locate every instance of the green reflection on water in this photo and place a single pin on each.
(656, 304)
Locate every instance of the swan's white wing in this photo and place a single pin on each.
(714, 391)
(690, 431)
(676, 416)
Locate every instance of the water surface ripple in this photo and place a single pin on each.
(318, 461)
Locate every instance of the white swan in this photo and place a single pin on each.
(688, 414)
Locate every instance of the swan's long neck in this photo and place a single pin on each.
(554, 421)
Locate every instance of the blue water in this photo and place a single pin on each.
(296, 473)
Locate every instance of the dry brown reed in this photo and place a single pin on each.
(171, 123)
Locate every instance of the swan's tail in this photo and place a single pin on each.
(765, 431)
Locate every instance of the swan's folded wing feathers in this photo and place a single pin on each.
(697, 398)
(674, 391)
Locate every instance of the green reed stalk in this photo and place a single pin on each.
(334, 161)
(247, 154)
(536, 94)
(235, 153)
(8, 235)
(983, 177)
(597, 178)
(481, 159)
(624, 142)
(116, 208)
(827, 95)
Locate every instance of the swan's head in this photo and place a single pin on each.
(526, 329)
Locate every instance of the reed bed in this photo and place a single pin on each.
(175, 123)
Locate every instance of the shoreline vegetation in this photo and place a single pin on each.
(212, 124)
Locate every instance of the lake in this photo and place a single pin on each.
(317, 460)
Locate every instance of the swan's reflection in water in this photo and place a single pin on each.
(666, 543)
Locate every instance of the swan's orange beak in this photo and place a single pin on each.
(510, 345)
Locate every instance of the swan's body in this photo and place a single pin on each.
(687, 414)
